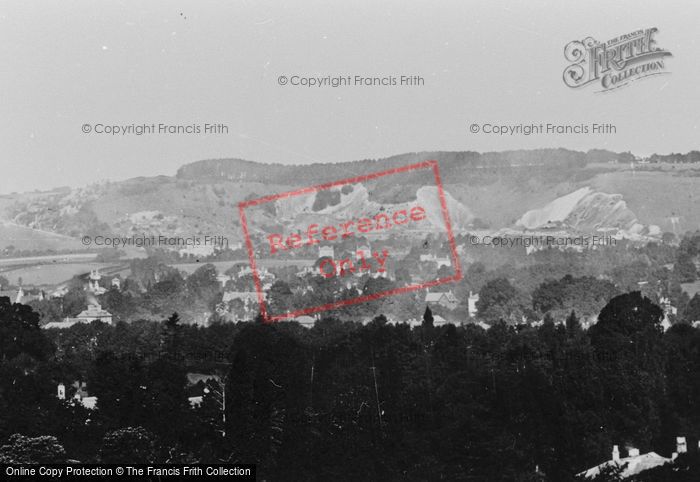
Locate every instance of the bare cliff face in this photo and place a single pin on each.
(583, 210)
(342, 205)
(600, 211)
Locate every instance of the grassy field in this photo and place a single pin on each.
(49, 274)
(25, 238)
(35, 273)
(656, 196)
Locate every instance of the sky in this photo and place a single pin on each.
(70, 63)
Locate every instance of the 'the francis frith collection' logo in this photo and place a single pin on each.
(615, 63)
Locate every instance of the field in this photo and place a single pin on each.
(656, 196)
(42, 271)
(25, 238)
(49, 274)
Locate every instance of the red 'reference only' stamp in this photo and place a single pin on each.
(337, 222)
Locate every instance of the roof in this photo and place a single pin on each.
(89, 402)
(305, 320)
(436, 297)
(434, 257)
(94, 311)
(632, 465)
(67, 323)
(194, 378)
(691, 288)
(243, 295)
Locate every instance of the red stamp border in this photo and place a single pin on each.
(360, 299)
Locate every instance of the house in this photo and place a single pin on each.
(668, 310)
(305, 321)
(81, 395)
(194, 378)
(307, 270)
(443, 261)
(94, 282)
(199, 251)
(365, 250)
(197, 387)
(635, 462)
(471, 302)
(12, 294)
(263, 273)
(67, 323)
(59, 292)
(446, 299)
(439, 320)
(326, 252)
(223, 279)
(439, 261)
(22, 296)
(94, 312)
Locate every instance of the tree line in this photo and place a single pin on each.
(348, 401)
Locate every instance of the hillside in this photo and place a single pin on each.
(489, 191)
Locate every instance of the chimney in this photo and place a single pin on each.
(616, 454)
(633, 452)
(681, 445)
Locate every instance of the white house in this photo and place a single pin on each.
(94, 282)
(438, 260)
(326, 252)
(94, 312)
(305, 321)
(223, 279)
(81, 395)
(471, 301)
(199, 251)
(635, 462)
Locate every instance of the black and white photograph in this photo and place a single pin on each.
(314, 240)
